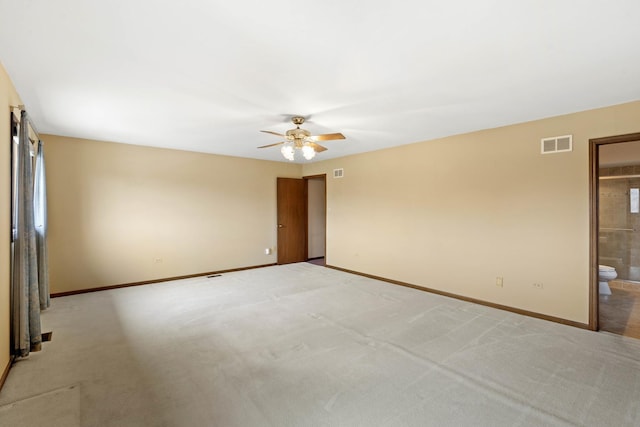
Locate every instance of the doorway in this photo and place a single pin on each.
(317, 222)
(615, 234)
(301, 215)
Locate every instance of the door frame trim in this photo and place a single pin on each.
(594, 163)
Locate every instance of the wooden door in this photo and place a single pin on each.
(292, 220)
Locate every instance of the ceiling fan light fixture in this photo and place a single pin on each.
(308, 152)
(287, 152)
(301, 139)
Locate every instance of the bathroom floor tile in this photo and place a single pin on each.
(620, 312)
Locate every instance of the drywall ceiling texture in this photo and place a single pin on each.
(121, 214)
(454, 214)
(207, 76)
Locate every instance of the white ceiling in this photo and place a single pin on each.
(207, 75)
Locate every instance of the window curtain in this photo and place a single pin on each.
(40, 218)
(25, 293)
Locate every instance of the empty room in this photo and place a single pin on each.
(319, 213)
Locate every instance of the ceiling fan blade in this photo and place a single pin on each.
(317, 147)
(327, 136)
(273, 133)
(271, 145)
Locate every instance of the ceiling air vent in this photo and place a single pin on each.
(556, 144)
(338, 173)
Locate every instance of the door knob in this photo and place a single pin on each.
(280, 225)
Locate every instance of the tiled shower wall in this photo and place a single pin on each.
(619, 243)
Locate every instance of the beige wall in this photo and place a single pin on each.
(122, 213)
(8, 97)
(455, 213)
(623, 154)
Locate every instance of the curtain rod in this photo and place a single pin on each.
(29, 121)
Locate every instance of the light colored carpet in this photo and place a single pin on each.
(57, 408)
(302, 345)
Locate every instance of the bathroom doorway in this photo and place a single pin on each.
(616, 234)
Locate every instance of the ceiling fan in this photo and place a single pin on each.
(301, 139)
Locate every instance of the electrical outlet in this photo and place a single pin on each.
(499, 282)
(538, 285)
(267, 251)
(157, 260)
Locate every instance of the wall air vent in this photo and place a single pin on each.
(338, 173)
(556, 144)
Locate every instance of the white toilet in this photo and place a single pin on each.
(605, 273)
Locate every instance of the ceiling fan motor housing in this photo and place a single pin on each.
(298, 133)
